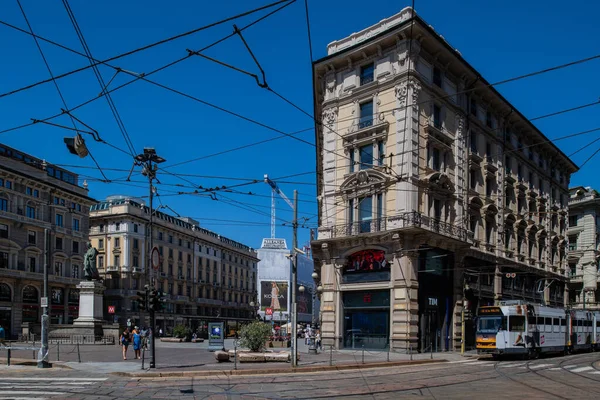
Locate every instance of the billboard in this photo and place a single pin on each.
(274, 295)
(366, 261)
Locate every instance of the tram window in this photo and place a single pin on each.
(540, 320)
(588, 323)
(579, 322)
(548, 321)
(563, 322)
(555, 325)
(516, 323)
(598, 324)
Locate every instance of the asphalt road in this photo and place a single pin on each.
(571, 377)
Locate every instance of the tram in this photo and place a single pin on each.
(514, 327)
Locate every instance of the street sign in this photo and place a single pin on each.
(111, 309)
(268, 311)
(44, 301)
(155, 258)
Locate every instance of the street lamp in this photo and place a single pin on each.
(149, 161)
(254, 307)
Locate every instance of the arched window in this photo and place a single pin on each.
(5, 292)
(30, 294)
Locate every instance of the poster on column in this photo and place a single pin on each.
(274, 295)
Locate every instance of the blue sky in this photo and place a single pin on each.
(501, 39)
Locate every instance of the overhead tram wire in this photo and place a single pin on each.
(62, 98)
(146, 47)
(98, 75)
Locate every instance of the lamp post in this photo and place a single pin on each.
(149, 161)
(313, 291)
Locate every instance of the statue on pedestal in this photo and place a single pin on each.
(89, 264)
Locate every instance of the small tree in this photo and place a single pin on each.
(254, 335)
(180, 331)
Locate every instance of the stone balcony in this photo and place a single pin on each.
(405, 221)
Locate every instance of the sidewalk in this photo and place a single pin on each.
(184, 358)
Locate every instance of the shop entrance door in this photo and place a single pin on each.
(366, 328)
(430, 331)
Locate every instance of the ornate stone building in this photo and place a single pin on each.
(433, 190)
(37, 197)
(584, 250)
(206, 276)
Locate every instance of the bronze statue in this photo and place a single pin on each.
(89, 264)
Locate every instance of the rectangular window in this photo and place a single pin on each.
(100, 261)
(488, 119)
(117, 259)
(351, 213)
(180, 242)
(75, 247)
(59, 220)
(75, 271)
(3, 260)
(365, 213)
(118, 226)
(572, 220)
(473, 107)
(437, 77)
(507, 238)
(352, 160)
(435, 159)
(488, 151)
(28, 191)
(170, 238)
(573, 242)
(136, 244)
(473, 179)
(31, 238)
(101, 244)
(160, 236)
(59, 243)
(75, 224)
(489, 226)
(8, 184)
(58, 268)
(32, 263)
(381, 151)
(366, 115)
(3, 204)
(135, 228)
(30, 212)
(437, 209)
(473, 142)
(117, 242)
(366, 73)
(519, 172)
(489, 187)
(136, 261)
(507, 165)
(473, 224)
(366, 157)
(437, 116)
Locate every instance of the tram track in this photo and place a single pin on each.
(526, 384)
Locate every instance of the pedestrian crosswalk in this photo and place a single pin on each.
(532, 366)
(17, 388)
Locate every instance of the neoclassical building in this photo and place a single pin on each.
(435, 194)
(584, 247)
(206, 276)
(36, 198)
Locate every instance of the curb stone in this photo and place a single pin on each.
(273, 371)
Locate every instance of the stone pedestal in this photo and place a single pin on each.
(90, 307)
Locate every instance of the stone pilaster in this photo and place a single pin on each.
(405, 305)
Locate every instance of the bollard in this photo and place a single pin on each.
(8, 357)
(78, 354)
(410, 347)
(331, 355)
(363, 353)
(33, 351)
(143, 356)
(57, 351)
(432, 351)
(388, 355)
(235, 354)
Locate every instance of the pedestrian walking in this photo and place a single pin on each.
(125, 339)
(318, 338)
(137, 344)
(2, 335)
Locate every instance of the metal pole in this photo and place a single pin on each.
(363, 353)
(331, 355)
(294, 282)
(43, 360)
(235, 354)
(151, 176)
(78, 354)
(462, 332)
(57, 351)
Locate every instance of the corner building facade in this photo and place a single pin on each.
(206, 277)
(435, 194)
(584, 248)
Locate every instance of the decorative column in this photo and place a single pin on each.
(405, 305)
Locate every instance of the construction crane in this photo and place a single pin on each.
(275, 190)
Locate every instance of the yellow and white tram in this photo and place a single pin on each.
(514, 327)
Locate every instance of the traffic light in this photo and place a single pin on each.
(142, 300)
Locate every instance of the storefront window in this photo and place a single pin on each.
(30, 294)
(366, 319)
(5, 292)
